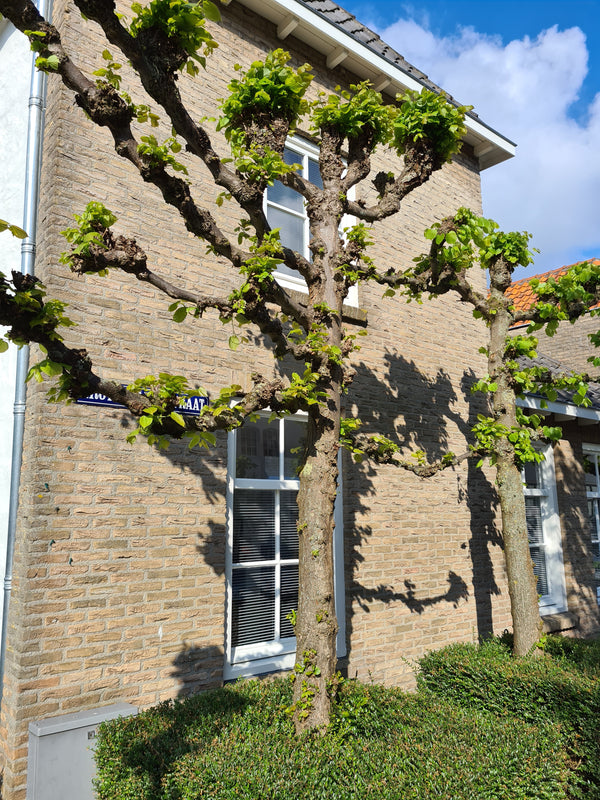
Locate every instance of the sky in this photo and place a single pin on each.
(531, 69)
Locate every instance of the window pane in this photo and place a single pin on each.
(531, 475)
(589, 465)
(291, 228)
(535, 532)
(294, 439)
(292, 157)
(533, 513)
(314, 175)
(289, 598)
(253, 606)
(593, 518)
(253, 526)
(257, 450)
(284, 196)
(539, 569)
(288, 521)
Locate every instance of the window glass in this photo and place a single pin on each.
(591, 466)
(544, 532)
(294, 443)
(264, 537)
(257, 450)
(291, 228)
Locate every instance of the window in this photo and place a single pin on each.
(262, 546)
(591, 455)
(286, 210)
(543, 529)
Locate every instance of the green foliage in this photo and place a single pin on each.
(182, 22)
(272, 89)
(165, 393)
(381, 745)
(91, 225)
(349, 426)
(42, 315)
(512, 247)
(546, 692)
(258, 270)
(109, 73)
(488, 432)
(427, 116)
(17, 232)
(358, 111)
(161, 155)
(304, 389)
(268, 86)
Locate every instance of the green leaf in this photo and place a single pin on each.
(234, 342)
(19, 233)
(180, 314)
(3, 345)
(145, 422)
(211, 11)
(176, 417)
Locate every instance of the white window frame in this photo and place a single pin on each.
(305, 150)
(555, 601)
(279, 654)
(594, 450)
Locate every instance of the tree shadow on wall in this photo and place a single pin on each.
(415, 410)
(418, 412)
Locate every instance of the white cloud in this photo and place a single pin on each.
(525, 89)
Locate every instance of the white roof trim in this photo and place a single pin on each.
(491, 147)
(567, 409)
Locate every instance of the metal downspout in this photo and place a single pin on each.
(37, 98)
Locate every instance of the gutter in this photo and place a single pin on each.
(310, 25)
(33, 164)
(565, 410)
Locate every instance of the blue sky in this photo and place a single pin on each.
(531, 68)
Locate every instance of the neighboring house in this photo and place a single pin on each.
(570, 344)
(563, 493)
(140, 575)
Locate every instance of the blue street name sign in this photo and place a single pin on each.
(192, 405)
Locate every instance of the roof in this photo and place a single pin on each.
(563, 406)
(522, 294)
(333, 31)
(338, 16)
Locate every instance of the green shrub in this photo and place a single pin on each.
(538, 690)
(238, 743)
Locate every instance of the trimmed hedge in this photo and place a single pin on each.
(237, 742)
(563, 691)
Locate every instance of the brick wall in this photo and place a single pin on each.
(119, 590)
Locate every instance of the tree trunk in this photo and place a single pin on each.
(527, 624)
(316, 623)
(522, 582)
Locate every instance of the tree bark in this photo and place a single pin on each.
(316, 626)
(522, 583)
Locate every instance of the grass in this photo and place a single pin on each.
(481, 726)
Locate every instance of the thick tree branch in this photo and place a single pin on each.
(420, 162)
(371, 446)
(159, 79)
(126, 255)
(106, 108)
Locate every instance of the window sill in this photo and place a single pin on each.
(560, 621)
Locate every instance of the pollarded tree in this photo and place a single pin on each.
(508, 435)
(265, 103)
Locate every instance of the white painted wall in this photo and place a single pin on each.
(15, 75)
